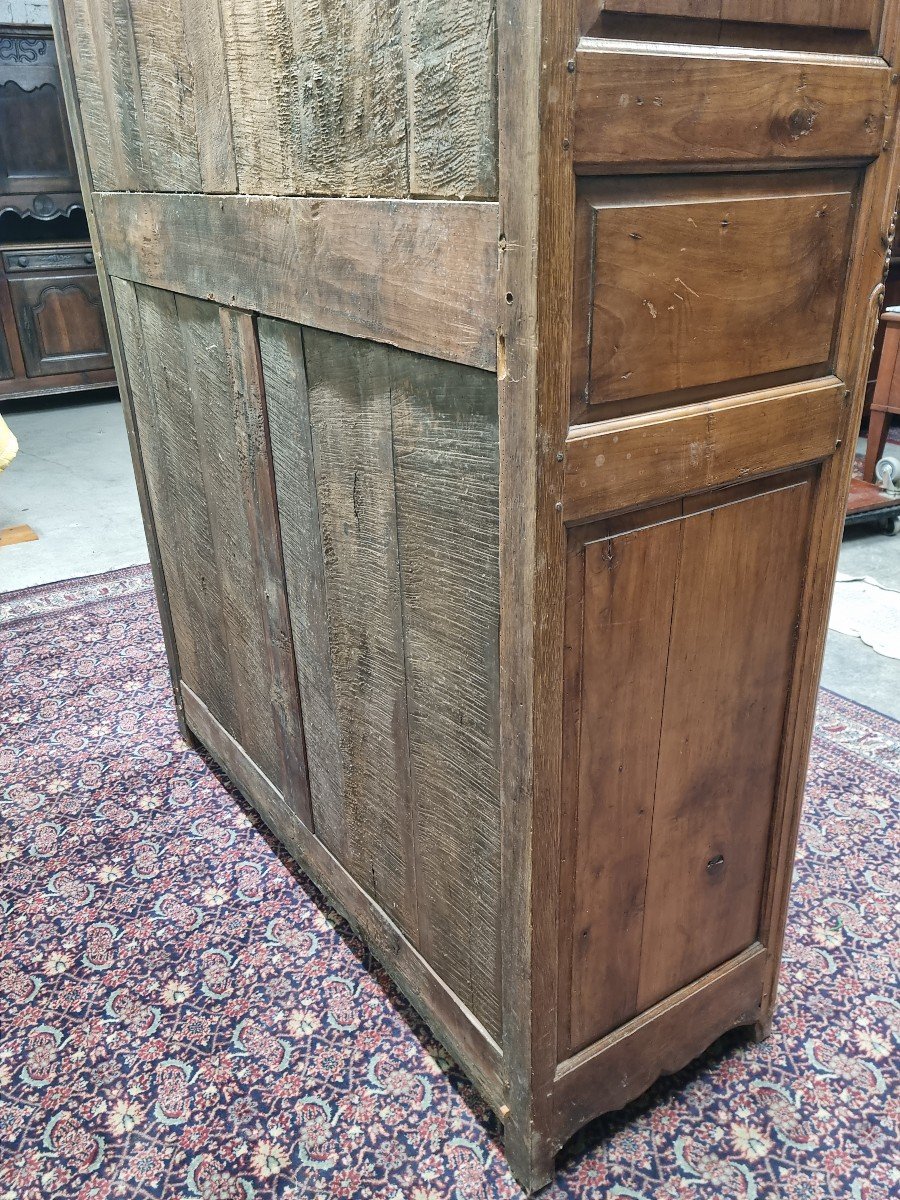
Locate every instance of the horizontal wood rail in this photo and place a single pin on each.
(614, 1071)
(421, 275)
(723, 105)
(656, 456)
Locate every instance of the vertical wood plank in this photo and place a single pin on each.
(284, 372)
(388, 501)
(318, 96)
(179, 455)
(350, 413)
(451, 71)
(257, 485)
(209, 400)
(629, 588)
(200, 408)
(136, 89)
(143, 400)
(212, 109)
(446, 482)
(163, 84)
(108, 114)
(737, 603)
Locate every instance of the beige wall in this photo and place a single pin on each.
(24, 12)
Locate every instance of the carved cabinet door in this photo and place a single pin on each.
(36, 155)
(730, 160)
(60, 323)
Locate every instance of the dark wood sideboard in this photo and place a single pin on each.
(53, 335)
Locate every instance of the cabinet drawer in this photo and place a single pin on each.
(60, 323)
(48, 259)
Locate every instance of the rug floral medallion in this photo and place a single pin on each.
(182, 1016)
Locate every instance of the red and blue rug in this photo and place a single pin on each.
(182, 1015)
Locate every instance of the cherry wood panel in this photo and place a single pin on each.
(645, 107)
(661, 1041)
(622, 592)
(829, 14)
(651, 457)
(735, 280)
(735, 613)
(686, 654)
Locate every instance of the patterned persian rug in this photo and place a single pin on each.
(182, 1016)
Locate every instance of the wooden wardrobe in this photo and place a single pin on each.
(493, 373)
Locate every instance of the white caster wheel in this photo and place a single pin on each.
(887, 473)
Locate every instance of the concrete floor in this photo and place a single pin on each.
(72, 482)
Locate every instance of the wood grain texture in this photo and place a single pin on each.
(166, 427)
(830, 14)
(417, 274)
(198, 408)
(351, 419)
(522, 114)
(212, 106)
(446, 475)
(651, 457)
(619, 1068)
(451, 81)
(643, 107)
(135, 87)
(387, 477)
(257, 489)
(872, 236)
(142, 403)
(729, 666)
(628, 587)
(202, 439)
(704, 9)
(537, 191)
(287, 400)
(704, 290)
(318, 96)
(381, 98)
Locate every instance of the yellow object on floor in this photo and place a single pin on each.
(14, 535)
(9, 447)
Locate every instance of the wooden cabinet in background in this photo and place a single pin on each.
(52, 328)
(52, 317)
(38, 176)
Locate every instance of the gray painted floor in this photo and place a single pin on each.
(72, 483)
